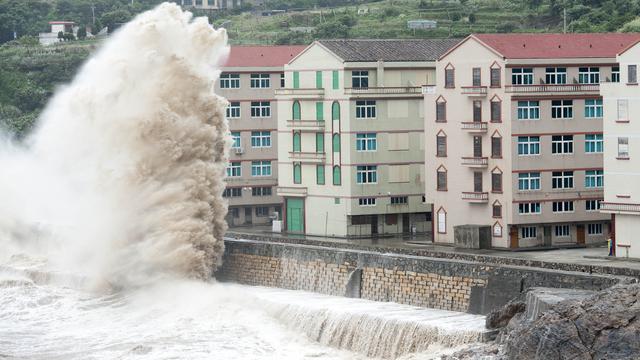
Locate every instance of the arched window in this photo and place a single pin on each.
(336, 142)
(497, 209)
(442, 221)
(296, 110)
(496, 145)
(497, 229)
(496, 180)
(496, 109)
(337, 176)
(441, 109)
(297, 173)
(335, 111)
(297, 146)
(441, 144)
(441, 178)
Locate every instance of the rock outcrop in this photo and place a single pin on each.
(501, 317)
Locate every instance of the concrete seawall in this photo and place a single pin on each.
(447, 284)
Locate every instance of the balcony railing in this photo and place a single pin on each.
(552, 88)
(311, 92)
(474, 90)
(475, 126)
(307, 157)
(306, 125)
(478, 197)
(384, 90)
(291, 191)
(619, 207)
(475, 161)
(428, 89)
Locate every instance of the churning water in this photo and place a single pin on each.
(111, 222)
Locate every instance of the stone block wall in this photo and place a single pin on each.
(446, 284)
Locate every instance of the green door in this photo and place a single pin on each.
(295, 215)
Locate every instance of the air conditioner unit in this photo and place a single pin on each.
(238, 151)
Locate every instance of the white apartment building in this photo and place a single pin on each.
(248, 81)
(351, 137)
(622, 154)
(515, 138)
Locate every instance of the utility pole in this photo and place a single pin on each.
(564, 20)
(93, 16)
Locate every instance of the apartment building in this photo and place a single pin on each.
(621, 102)
(212, 4)
(515, 140)
(248, 81)
(351, 137)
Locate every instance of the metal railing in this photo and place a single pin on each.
(475, 126)
(307, 156)
(299, 92)
(611, 206)
(552, 88)
(306, 124)
(475, 161)
(474, 90)
(475, 196)
(384, 90)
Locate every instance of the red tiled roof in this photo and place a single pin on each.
(262, 56)
(558, 46)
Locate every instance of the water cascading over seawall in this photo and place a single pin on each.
(122, 179)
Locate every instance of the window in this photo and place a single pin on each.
(594, 178)
(562, 206)
(495, 77)
(337, 177)
(260, 109)
(529, 208)
(562, 180)
(529, 181)
(297, 145)
(562, 144)
(335, 77)
(295, 109)
(441, 145)
(496, 182)
(632, 74)
(234, 169)
(297, 173)
(522, 76)
(366, 142)
(320, 142)
(367, 201)
(262, 211)
(476, 76)
(319, 111)
(496, 147)
(449, 78)
(336, 142)
(261, 191)
(528, 110)
(623, 110)
(318, 79)
(235, 136)
(593, 108)
(335, 111)
(367, 174)
(260, 81)
(365, 109)
(261, 168)
(235, 212)
(442, 221)
(230, 81)
(497, 210)
(593, 143)
(441, 179)
(296, 80)
(232, 192)
(594, 229)
(441, 111)
(592, 205)
(556, 75)
(260, 139)
(623, 147)
(360, 79)
(562, 231)
(399, 200)
(562, 109)
(477, 110)
(497, 230)
(360, 219)
(233, 110)
(528, 232)
(320, 174)
(496, 111)
(282, 80)
(589, 75)
(528, 145)
(615, 74)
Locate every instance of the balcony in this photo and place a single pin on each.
(428, 89)
(617, 208)
(553, 89)
(475, 162)
(306, 93)
(476, 197)
(475, 127)
(291, 191)
(384, 91)
(474, 91)
(306, 125)
(307, 157)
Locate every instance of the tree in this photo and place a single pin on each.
(472, 18)
(631, 26)
(82, 32)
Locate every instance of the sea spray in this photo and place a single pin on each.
(122, 179)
